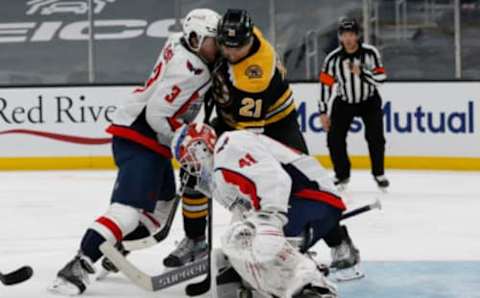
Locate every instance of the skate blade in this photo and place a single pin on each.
(345, 275)
(62, 287)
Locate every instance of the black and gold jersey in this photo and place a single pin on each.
(253, 92)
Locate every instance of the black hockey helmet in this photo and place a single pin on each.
(348, 25)
(235, 28)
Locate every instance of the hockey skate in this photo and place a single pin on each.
(341, 184)
(382, 182)
(73, 278)
(345, 260)
(188, 250)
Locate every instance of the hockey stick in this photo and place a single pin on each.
(154, 239)
(172, 277)
(208, 106)
(149, 241)
(375, 205)
(17, 276)
(153, 282)
(203, 286)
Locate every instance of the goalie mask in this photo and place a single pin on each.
(193, 147)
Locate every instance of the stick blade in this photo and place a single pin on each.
(17, 276)
(377, 204)
(200, 288)
(134, 274)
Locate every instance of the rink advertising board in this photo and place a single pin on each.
(427, 126)
(57, 128)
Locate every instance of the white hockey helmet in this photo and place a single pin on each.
(203, 23)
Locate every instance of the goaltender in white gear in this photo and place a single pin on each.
(245, 172)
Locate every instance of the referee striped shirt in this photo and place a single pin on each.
(350, 87)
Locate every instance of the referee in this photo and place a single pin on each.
(357, 70)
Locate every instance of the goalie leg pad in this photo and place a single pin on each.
(265, 260)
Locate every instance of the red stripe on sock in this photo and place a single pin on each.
(113, 227)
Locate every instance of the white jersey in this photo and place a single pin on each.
(267, 173)
(264, 171)
(173, 95)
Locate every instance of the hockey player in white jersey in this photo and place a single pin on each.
(142, 131)
(274, 192)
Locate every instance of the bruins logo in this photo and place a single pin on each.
(254, 72)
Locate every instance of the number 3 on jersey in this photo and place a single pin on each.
(251, 108)
(175, 92)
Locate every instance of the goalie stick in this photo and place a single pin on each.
(17, 276)
(202, 287)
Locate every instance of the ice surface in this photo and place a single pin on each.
(424, 243)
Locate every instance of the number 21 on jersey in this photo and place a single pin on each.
(251, 108)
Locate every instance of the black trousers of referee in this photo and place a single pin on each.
(341, 119)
